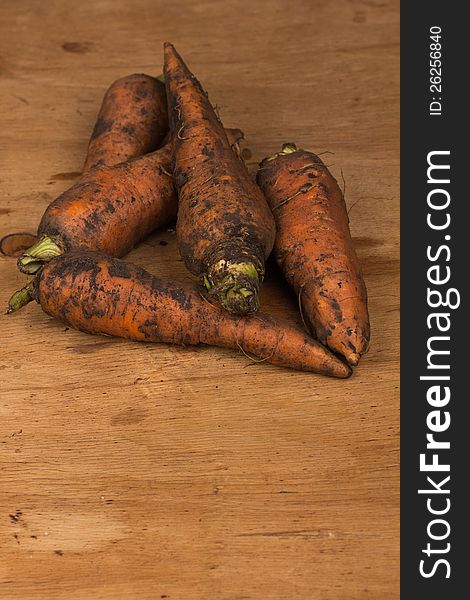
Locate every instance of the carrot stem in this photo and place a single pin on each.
(288, 148)
(236, 285)
(41, 252)
(20, 298)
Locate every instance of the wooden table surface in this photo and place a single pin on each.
(145, 471)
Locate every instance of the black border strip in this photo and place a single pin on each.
(422, 133)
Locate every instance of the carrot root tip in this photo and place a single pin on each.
(353, 358)
(346, 373)
(21, 298)
(235, 285)
(41, 252)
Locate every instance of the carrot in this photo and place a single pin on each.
(225, 229)
(315, 251)
(110, 209)
(102, 295)
(132, 121)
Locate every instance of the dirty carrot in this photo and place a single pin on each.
(98, 294)
(110, 209)
(132, 121)
(225, 229)
(315, 251)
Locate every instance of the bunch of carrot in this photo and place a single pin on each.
(158, 152)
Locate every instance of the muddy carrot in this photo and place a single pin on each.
(132, 121)
(102, 295)
(225, 229)
(315, 251)
(110, 209)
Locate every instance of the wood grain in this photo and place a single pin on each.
(138, 471)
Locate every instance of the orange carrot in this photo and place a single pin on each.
(225, 229)
(110, 209)
(101, 295)
(132, 121)
(315, 251)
